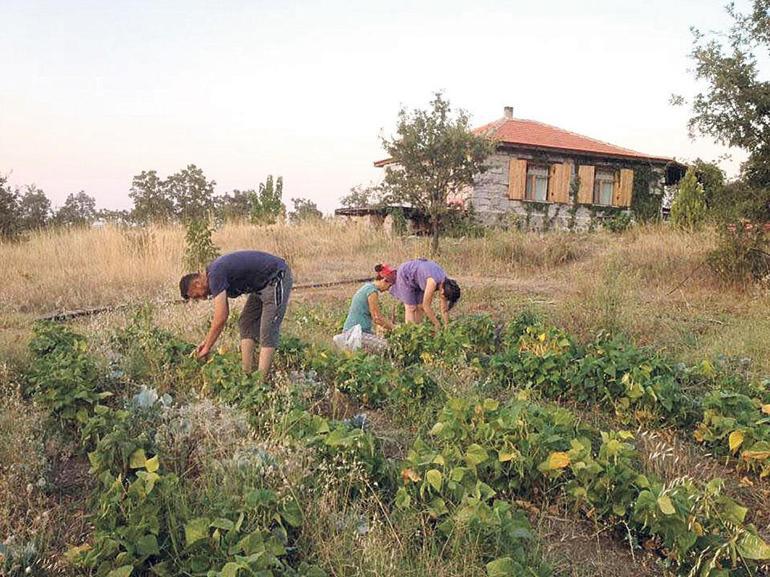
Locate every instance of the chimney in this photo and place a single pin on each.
(508, 112)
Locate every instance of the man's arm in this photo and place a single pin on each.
(374, 309)
(444, 308)
(430, 289)
(221, 312)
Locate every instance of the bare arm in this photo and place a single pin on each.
(430, 289)
(444, 308)
(221, 312)
(377, 316)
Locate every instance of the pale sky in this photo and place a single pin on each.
(94, 92)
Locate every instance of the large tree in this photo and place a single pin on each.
(734, 106)
(267, 204)
(152, 200)
(9, 211)
(433, 154)
(192, 192)
(34, 208)
(78, 210)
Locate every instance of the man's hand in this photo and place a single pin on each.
(202, 351)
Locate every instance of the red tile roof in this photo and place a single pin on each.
(520, 132)
(529, 133)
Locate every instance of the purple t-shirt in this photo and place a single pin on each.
(245, 271)
(412, 277)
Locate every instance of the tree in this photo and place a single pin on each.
(152, 200)
(9, 211)
(734, 106)
(78, 210)
(200, 249)
(305, 210)
(34, 208)
(688, 210)
(192, 193)
(267, 205)
(432, 156)
(362, 197)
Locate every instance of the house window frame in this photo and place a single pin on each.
(604, 175)
(530, 187)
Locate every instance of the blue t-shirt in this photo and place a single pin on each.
(359, 313)
(245, 271)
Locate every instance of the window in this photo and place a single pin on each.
(604, 187)
(537, 183)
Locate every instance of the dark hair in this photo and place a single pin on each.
(451, 291)
(185, 282)
(385, 272)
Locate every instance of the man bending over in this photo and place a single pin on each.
(266, 279)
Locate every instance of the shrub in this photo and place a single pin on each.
(688, 211)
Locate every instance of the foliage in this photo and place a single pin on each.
(742, 254)
(618, 223)
(200, 250)
(485, 450)
(63, 378)
(34, 208)
(712, 178)
(152, 199)
(732, 107)
(362, 197)
(462, 223)
(434, 155)
(304, 210)
(646, 198)
(9, 211)
(266, 206)
(192, 193)
(688, 211)
(78, 210)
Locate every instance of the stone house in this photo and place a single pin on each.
(541, 176)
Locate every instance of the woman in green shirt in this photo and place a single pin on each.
(365, 309)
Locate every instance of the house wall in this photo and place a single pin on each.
(489, 195)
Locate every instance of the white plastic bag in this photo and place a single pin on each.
(350, 340)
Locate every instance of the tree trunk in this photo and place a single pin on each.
(434, 225)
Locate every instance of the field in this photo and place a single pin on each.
(599, 406)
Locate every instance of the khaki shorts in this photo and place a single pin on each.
(264, 311)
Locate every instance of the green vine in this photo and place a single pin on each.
(645, 204)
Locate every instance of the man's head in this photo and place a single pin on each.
(194, 286)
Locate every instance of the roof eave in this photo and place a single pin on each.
(617, 156)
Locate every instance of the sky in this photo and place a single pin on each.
(94, 92)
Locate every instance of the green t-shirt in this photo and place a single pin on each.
(359, 309)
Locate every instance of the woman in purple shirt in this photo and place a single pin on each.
(417, 281)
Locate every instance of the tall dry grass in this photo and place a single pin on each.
(56, 270)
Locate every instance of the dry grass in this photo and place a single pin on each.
(651, 282)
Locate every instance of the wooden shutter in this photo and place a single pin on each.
(585, 193)
(559, 177)
(517, 178)
(626, 186)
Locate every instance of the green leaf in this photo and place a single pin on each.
(292, 513)
(502, 567)
(137, 459)
(434, 478)
(222, 523)
(147, 545)
(753, 547)
(475, 455)
(196, 529)
(123, 571)
(665, 504)
(230, 569)
(403, 500)
(152, 465)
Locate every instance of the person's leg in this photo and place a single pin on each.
(409, 313)
(275, 299)
(419, 314)
(249, 329)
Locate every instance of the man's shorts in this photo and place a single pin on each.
(264, 311)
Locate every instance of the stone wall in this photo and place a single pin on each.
(489, 197)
